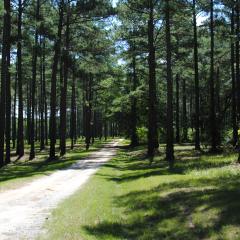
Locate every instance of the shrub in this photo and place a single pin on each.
(142, 134)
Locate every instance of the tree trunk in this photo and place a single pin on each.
(152, 98)
(5, 75)
(169, 148)
(134, 137)
(57, 50)
(88, 111)
(73, 112)
(63, 100)
(44, 93)
(213, 127)
(218, 106)
(93, 126)
(20, 135)
(196, 75)
(28, 111)
(184, 111)
(237, 67)
(14, 127)
(33, 87)
(42, 100)
(8, 99)
(177, 110)
(234, 107)
(105, 130)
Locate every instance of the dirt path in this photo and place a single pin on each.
(24, 210)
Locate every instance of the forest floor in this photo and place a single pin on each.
(129, 198)
(25, 208)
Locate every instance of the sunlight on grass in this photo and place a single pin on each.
(131, 199)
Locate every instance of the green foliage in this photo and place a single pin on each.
(142, 134)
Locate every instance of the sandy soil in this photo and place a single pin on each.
(24, 210)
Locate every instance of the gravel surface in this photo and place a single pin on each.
(23, 211)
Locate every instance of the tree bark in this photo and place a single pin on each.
(152, 98)
(213, 127)
(237, 78)
(5, 75)
(177, 110)
(28, 111)
(234, 106)
(88, 111)
(196, 77)
(73, 112)
(169, 147)
(20, 134)
(14, 127)
(42, 100)
(33, 86)
(8, 97)
(44, 92)
(63, 100)
(105, 130)
(57, 50)
(184, 111)
(134, 137)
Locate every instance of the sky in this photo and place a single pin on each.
(114, 2)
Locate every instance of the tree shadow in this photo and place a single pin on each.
(185, 213)
(198, 208)
(134, 164)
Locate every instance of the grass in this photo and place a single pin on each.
(18, 172)
(131, 199)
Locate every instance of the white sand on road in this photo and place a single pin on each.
(24, 210)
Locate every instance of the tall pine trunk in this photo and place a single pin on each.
(169, 147)
(152, 98)
(177, 110)
(20, 135)
(234, 107)
(134, 137)
(42, 100)
(196, 77)
(88, 111)
(8, 98)
(237, 79)
(73, 112)
(105, 130)
(5, 75)
(213, 126)
(63, 100)
(57, 50)
(184, 111)
(33, 86)
(44, 92)
(28, 111)
(14, 127)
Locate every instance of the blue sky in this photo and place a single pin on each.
(114, 2)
